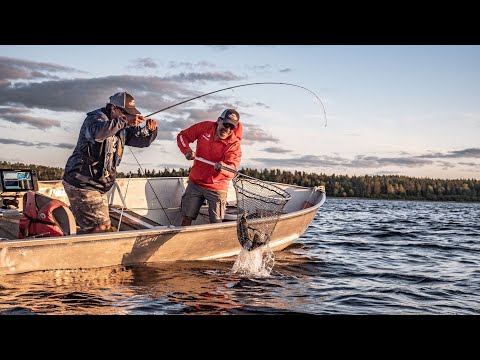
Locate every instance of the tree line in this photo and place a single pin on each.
(366, 186)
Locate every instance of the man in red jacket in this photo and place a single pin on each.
(216, 142)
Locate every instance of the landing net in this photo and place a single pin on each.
(259, 206)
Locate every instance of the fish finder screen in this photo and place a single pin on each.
(17, 180)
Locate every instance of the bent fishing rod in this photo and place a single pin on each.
(210, 93)
(237, 86)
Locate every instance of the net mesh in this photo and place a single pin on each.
(259, 206)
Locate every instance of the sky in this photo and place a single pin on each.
(410, 110)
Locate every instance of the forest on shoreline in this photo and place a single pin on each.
(395, 187)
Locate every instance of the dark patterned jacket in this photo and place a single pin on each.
(99, 150)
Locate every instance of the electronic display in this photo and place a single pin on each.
(18, 180)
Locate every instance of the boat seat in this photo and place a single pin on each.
(66, 220)
(62, 214)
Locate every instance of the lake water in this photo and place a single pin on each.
(357, 257)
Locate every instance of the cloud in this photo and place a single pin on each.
(63, 146)
(17, 69)
(465, 153)
(164, 135)
(304, 161)
(445, 165)
(39, 145)
(363, 161)
(185, 118)
(260, 104)
(470, 164)
(152, 93)
(369, 162)
(17, 116)
(144, 63)
(189, 65)
(276, 150)
(207, 76)
(84, 95)
(252, 133)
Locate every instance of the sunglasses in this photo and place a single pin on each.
(228, 126)
(122, 111)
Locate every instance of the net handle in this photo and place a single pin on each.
(213, 164)
(225, 168)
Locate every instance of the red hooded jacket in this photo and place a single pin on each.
(228, 151)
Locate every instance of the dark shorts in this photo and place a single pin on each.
(194, 197)
(90, 207)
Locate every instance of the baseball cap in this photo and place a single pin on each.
(230, 116)
(125, 101)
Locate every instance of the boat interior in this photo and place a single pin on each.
(135, 203)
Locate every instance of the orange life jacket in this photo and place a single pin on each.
(37, 221)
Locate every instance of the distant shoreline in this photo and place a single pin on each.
(378, 187)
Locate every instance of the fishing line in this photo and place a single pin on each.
(123, 202)
(151, 187)
(237, 86)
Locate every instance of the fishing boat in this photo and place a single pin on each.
(146, 212)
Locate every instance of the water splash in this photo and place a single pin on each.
(255, 263)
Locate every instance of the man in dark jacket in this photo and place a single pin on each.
(91, 170)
